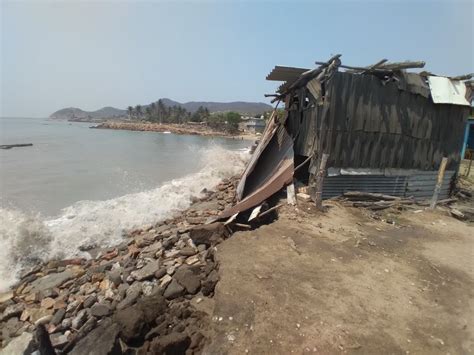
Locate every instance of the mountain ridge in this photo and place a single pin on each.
(243, 107)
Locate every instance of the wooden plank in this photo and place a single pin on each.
(439, 183)
(318, 196)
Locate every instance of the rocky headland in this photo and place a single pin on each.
(190, 129)
(140, 297)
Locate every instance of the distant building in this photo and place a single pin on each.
(252, 124)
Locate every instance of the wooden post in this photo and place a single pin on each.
(439, 182)
(290, 194)
(319, 182)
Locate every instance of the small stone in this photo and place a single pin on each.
(146, 272)
(100, 310)
(165, 281)
(66, 323)
(59, 340)
(47, 303)
(187, 251)
(12, 311)
(89, 301)
(160, 273)
(115, 276)
(302, 196)
(43, 320)
(6, 296)
(58, 316)
(80, 319)
(59, 303)
(192, 260)
(174, 290)
(132, 294)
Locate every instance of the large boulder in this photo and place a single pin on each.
(103, 340)
(174, 343)
(135, 321)
(188, 279)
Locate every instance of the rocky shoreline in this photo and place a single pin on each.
(190, 129)
(138, 297)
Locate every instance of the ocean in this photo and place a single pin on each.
(78, 186)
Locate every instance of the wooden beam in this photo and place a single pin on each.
(318, 198)
(439, 182)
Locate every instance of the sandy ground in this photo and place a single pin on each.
(344, 282)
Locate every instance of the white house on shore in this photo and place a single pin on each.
(252, 124)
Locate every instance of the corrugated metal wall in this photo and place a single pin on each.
(420, 185)
(371, 125)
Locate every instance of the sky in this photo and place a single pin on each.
(91, 54)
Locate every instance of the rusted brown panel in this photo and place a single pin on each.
(270, 169)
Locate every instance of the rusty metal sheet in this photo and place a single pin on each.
(270, 169)
(282, 73)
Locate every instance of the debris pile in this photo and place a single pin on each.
(140, 294)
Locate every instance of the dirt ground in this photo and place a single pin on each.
(344, 282)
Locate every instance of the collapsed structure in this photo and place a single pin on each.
(384, 130)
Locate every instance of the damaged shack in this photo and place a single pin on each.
(382, 129)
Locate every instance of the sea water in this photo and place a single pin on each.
(78, 186)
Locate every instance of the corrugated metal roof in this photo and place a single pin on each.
(282, 73)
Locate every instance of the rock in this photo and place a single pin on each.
(59, 340)
(103, 340)
(66, 323)
(47, 302)
(12, 311)
(160, 273)
(147, 272)
(44, 319)
(115, 276)
(51, 281)
(209, 284)
(302, 196)
(132, 293)
(6, 296)
(187, 251)
(165, 281)
(208, 234)
(188, 280)
(59, 303)
(18, 345)
(192, 260)
(11, 328)
(58, 316)
(144, 240)
(100, 310)
(135, 321)
(174, 343)
(89, 301)
(80, 319)
(49, 293)
(174, 290)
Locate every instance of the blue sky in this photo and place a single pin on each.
(95, 54)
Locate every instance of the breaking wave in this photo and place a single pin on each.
(26, 239)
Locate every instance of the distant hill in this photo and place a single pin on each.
(73, 113)
(251, 108)
(237, 106)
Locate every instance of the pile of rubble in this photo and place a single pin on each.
(136, 297)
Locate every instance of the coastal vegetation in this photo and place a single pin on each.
(159, 112)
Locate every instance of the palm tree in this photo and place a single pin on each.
(148, 113)
(130, 111)
(138, 110)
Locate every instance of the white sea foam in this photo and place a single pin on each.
(25, 239)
